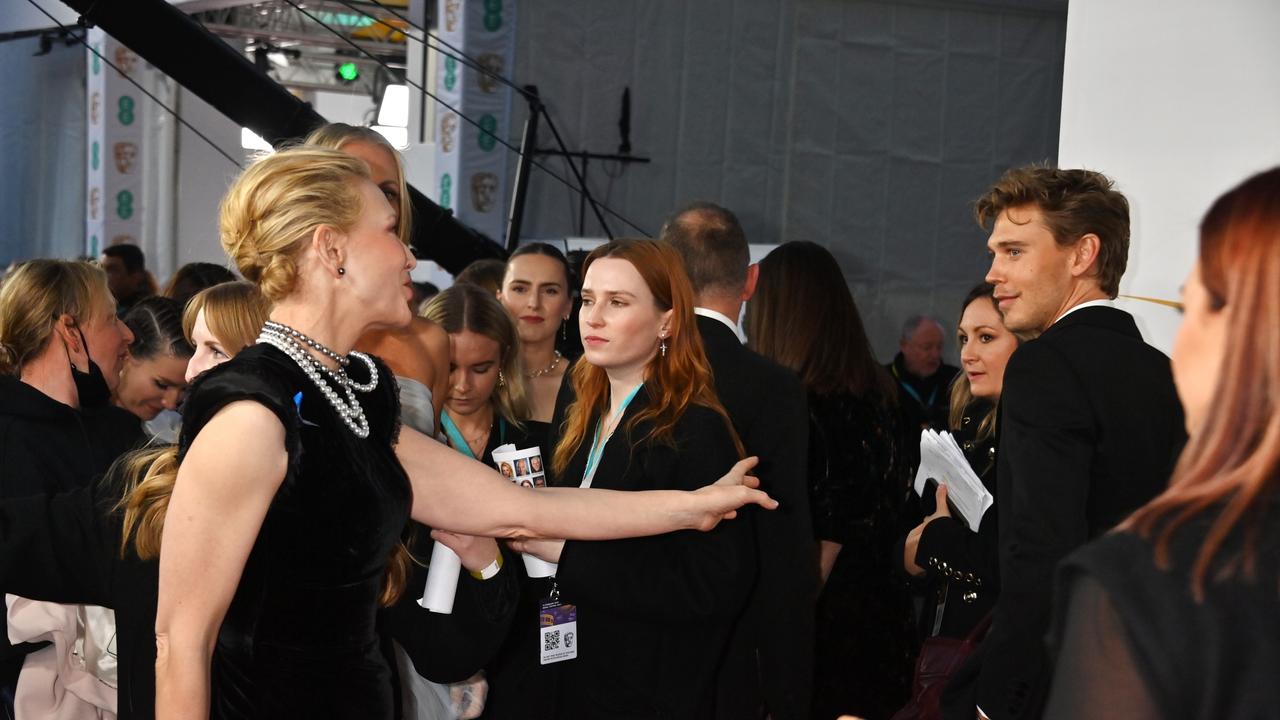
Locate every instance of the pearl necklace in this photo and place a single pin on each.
(554, 364)
(290, 343)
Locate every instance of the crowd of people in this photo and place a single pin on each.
(219, 499)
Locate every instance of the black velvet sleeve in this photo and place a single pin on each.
(252, 375)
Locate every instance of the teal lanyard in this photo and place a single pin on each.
(458, 442)
(913, 392)
(597, 447)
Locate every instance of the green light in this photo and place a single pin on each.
(348, 71)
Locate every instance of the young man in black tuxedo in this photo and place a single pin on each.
(1090, 423)
(769, 664)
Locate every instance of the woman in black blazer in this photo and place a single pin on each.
(653, 615)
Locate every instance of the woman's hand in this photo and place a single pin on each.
(721, 500)
(912, 546)
(548, 550)
(476, 553)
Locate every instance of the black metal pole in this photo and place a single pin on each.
(582, 183)
(528, 144)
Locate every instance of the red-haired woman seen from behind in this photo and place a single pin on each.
(1177, 614)
(654, 614)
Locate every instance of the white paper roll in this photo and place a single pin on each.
(536, 567)
(442, 580)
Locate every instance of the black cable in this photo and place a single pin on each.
(138, 85)
(581, 190)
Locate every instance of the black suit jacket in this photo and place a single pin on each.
(770, 659)
(654, 613)
(1090, 428)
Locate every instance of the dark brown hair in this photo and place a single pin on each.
(1231, 464)
(1073, 203)
(714, 247)
(804, 317)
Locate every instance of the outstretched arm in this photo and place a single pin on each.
(456, 493)
(225, 485)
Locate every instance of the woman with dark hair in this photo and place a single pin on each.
(194, 277)
(1176, 614)
(154, 375)
(654, 614)
(537, 292)
(804, 317)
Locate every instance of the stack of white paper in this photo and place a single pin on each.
(942, 460)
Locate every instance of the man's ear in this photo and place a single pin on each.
(753, 278)
(330, 245)
(1084, 258)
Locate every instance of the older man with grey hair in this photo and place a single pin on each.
(924, 381)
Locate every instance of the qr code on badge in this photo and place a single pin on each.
(550, 640)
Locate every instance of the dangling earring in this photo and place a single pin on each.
(501, 380)
(564, 329)
(663, 347)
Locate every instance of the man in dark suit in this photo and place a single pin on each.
(1090, 422)
(769, 664)
(924, 381)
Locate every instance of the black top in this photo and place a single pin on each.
(1089, 428)
(864, 617)
(961, 566)
(654, 613)
(770, 659)
(299, 637)
(1136, 644)
(49, 447)
(924, 401)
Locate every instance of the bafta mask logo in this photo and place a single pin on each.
(451, 9)
(484, 191)
(95, 196)
(126, 60)
(493, 65)
(448, 131)
(95, 107)
(125, 153)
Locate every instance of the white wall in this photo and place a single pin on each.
(1176, 100)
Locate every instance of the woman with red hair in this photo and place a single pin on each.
(1177, 613)
(654, 614)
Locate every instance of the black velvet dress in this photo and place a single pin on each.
(300, 637)
(857, 485)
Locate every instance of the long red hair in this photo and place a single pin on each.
(674, 382)
(1233, 461)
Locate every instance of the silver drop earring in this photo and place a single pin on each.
(663, 347)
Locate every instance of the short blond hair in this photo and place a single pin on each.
(36, 294)
(273, 208)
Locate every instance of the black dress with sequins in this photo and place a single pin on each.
(857, 485)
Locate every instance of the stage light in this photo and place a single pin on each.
(348, 72)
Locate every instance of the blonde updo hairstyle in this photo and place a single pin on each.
(274, 207)
(35, 295)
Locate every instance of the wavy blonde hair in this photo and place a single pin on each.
(35, 295)
(336, 135)
(465, 307)
(273, 208)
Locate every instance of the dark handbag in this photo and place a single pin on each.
(939, 658)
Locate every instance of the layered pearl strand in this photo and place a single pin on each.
(295, 344)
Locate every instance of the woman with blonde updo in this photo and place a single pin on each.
(417, 354)
(295, 479)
